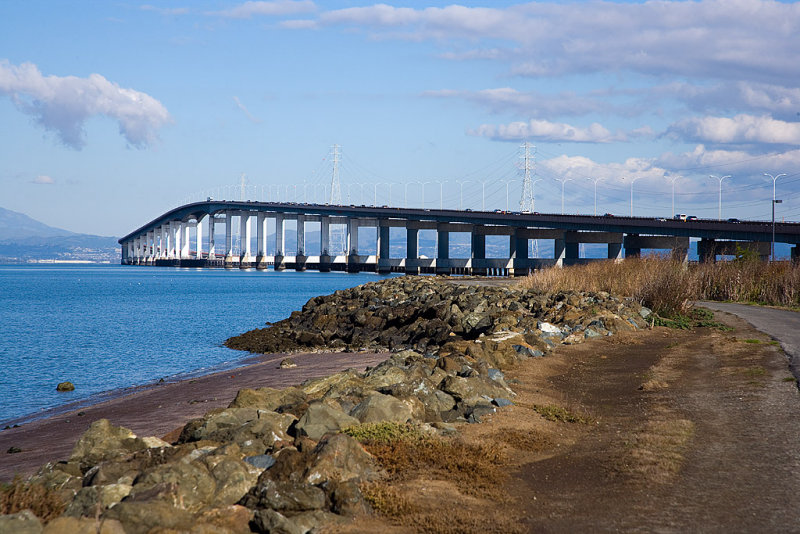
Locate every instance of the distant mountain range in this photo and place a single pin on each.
(25, 240)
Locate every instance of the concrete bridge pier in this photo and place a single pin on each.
(261, 241)
(384, 259)
(412, 249)
(212, 247)
(325, 244)
(280, 234)
(678, 246)
(353, 259)
(228, 240)
(478, 254)
(300, 257)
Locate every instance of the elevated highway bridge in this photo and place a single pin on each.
(176, 238)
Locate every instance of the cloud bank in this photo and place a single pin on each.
(62, 105)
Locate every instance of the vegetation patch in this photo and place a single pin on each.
(45, 503)
(384, 432)
(553, 412)
(656, 450)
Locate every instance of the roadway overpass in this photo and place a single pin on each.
(176, 238)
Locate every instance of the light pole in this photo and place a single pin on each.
(595, 180)
(774, 179)
(719, 212)
(506, 182)
(441, 192)
(461, 193)
(405, 194)
(673, 180)
(633, 181)
(483, 195)
(423, 184)
(563, 182)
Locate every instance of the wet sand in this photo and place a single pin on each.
(160, 409)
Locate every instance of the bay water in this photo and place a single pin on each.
(109, 327)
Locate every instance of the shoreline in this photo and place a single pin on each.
(116, 393)
(163, 407)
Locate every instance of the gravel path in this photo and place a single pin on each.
(781, 325)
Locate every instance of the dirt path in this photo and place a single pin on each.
(683, 431)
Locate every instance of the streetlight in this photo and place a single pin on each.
(461, 197)
(633, 181)
(563, 182)
(673, 180)
(441, 192)
(719, 213)
(595, 180)
(774, 179)
(405, 194)
(506, 182)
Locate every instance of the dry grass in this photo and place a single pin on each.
(668, 287)
(20, 495)
(656, 451)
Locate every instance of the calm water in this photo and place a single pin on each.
(110, 327)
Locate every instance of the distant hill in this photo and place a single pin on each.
(23, 239)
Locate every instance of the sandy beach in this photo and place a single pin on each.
(160, 409)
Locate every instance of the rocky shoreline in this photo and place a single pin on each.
(285, 460)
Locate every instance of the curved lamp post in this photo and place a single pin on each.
(774, 179)
(719, 210)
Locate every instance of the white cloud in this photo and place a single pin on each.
(165, 11)
(273, 8)
(541, 130)
(246, 111)
(509, 100)
(741, 129)
(43, 179)
(709, 38)
(63, 104)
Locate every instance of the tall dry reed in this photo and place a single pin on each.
(670, 287)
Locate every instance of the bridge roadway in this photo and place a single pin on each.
(168, 239)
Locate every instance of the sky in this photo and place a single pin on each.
(112, 113)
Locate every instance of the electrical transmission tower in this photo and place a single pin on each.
(527, 202)
(336, 190)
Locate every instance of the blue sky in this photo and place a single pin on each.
(114, 112)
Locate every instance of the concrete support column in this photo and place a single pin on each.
(442, 251)
(246, 236)
(128, 254)
(412, 250)
(384, 265)
(559, 251)
(633, 251)
(478, 252)
(212, 251)
(261, 237)
(137, 250)
(301, 257)
(175, 236)
(520, 245)
(615, 251)
(228, 239)
(185, 239)
(353, 259)
(324, 244)
(280, 229)
(198, 227)
(706, 251)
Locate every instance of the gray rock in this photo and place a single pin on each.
(272, 522)
(341, 458)
(23, 522)
(261, 461)
(321, 419)
(378, 407)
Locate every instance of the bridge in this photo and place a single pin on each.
(176, 238)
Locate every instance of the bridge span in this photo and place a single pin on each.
(176, 238)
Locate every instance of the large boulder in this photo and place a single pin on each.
(268, 399)
(103, 441)
(321, 418)
(340, 458)
(92, 500)
(23, 522)
(84, 525)
(141, 517)
(378, 407)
